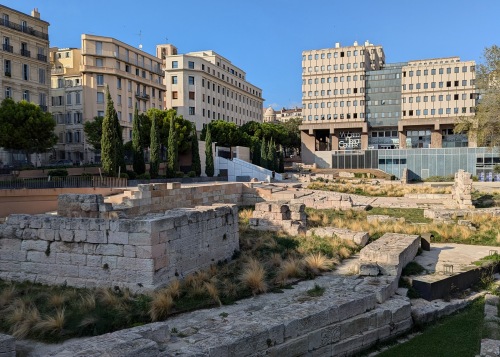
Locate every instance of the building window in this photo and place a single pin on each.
(26, 95)
(191, 65)
(130, 102)
(175, 64)
(119, 83)
(175, 95)
(98, 62)
(191, 80)
(8, 92)
(100, 80)
(100, 97)
(174, 79)
(26, 72)
(191, 95)
(68, 98)
(119, 100)
(191, 110)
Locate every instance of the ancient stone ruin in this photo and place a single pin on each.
(462, 188)
(278, 216)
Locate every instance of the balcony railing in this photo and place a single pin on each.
(25, 53)
(29, 30)
(143, 96)
(8, 48)
(42, 58)
(57, 70)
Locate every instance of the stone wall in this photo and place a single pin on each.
(462, 188)
(279, 216)
(164, 196)
(141, 254)
(7, 346)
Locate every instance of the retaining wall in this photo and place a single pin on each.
(141, 254)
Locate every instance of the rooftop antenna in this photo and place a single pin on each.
(140, 39)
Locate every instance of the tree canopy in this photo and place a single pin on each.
(485, 125)
(24, 126)
(112, 156)
(93, 132)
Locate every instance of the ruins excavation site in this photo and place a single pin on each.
(148, 240)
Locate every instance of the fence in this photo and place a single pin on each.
(63, 182)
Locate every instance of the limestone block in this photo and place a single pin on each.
(7, 346)
(98, 237)
(36, 245)
(117, 238)
(368, 269)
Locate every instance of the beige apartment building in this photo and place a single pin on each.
(282, 115)
(204, 86)
(78, 94)
(25, 48)
(353, 100)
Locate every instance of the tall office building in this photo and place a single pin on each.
(79, 81)
(354, 101)
(25, 48)
(204, 86)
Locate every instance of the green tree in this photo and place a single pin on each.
(223, 133)
(255, 150)
(24, 126)
(154, 161)
(209, 156)
(271, 156)
(182, 128)
(93, 132)
(263, 154)
(111, 140)
(195, 153)
(137, 149)
(291, 128)
(172, 159)
(484, 126)
(281, 162)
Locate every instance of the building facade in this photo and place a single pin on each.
(24, 57)
(79, 81)
(282, 115)
(353, 101)
(204, 86)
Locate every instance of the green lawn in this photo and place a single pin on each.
(458, 336)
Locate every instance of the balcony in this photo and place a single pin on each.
(25, 52)
(143, 96)
(42, 58)
(8, 48)
(28, 30)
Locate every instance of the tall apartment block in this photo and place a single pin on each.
(356, 105)
(79, 81)
(26, 70)
(204, 86)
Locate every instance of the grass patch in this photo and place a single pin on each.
(316, 291)
(458, 335)
(366, 188)
(412, 268)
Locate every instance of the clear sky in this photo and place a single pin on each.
(266, 38)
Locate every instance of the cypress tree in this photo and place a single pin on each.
(263, 154)
(281, 165)
(111, 140)
(137, 149)
(154, 161)
(271, 156)
(209, 156)
(172, 149)
(195, 153)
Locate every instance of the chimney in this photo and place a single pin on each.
(355, 43)
(367, 43)
(35, 13)
(337, 44)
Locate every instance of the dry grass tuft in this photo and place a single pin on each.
(57, 300)
(290, 268)
(22, 328)
(107, 297)
(213, 292)
(51, 325)
(254, 276)
(88, 301)
(229, 289)
(174, 288)
(244, 216)
(344, 252)
(275, 260)
(161, 305)
(7, 296)
(317, 262)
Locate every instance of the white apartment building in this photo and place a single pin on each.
(204, 86)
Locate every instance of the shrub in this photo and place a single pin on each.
(124, 175)
(179, 174)
(161, 305)
(86, 175)
(58, 173)
(144, 176)
(191, 174)
(131, 175)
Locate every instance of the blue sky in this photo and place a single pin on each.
(266, 38)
